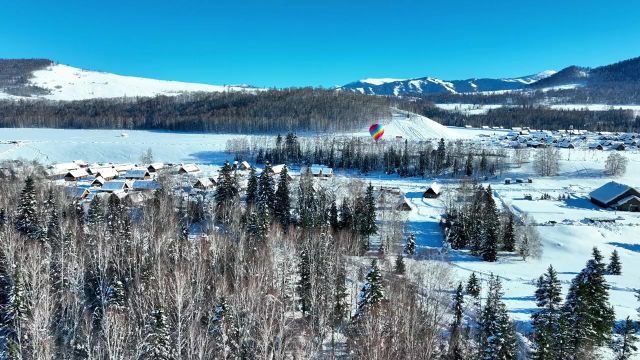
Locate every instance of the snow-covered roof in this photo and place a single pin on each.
(277, 168)
(123, 167)
(155, 166)
(77, 173)
(115, 185)
(136, 174)
(189, 168)
(76, 192)
(609, 191)
(435, 187)
(98, 180)
(204, 182)
(625, 200)
(145, 185)
(106, 172)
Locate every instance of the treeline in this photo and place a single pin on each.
(15, 74)
(233, 112)
(536, 117)
(407, 159)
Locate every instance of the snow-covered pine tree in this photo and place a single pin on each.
(266, 189)
(368, 225)
(223, 327)
(227, 188)
(498, 339)
(333, 216)
(508, 233)
(624, 343)
(157, 344)
(14, 315)
(400, 266)
(282, 200)
(252, 187)
(95, 215)
(546, 322)
(340, 305)
(372, 291)
(615, 266)
(304, 282)
(490, 225)
(468, 165)
(307, 204)
(346, 216)
(473, 286)
(410, 247)
(27, 221)
(455, 340)
(587, 312)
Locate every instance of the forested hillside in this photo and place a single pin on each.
(269, 111)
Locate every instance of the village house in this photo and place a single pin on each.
(145, 185)
(77, 193)
(75, 175)
(616, 196)
(203, 183)
(403, 205)
(244, 165)
(98, 182)
(115, 186)
(106, 173)
(155, 167)
(433, 191)
(188, 169)
(137, 174)
(123, 168)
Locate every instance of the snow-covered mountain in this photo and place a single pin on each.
(63, 82)
(430, 85)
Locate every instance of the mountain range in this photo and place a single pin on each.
(619, 74)
(45, 79)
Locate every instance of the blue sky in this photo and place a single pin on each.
(283, 43)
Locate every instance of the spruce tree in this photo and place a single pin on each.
(266, 189)
(508, 234)
(546, 322)
(252, 187)
(624, 344)
(410, 247)
(473, 286)
(340, 304)
(615, 266)
(14, 315)
(333, 216)
(304, 282)
(490, 226)
(400, 267)
(498, 341)
(227, 188)
(587, 311)
(346, 216)
(157, 345)
(282, 200)
(368, 224)
(372, 291)
(455, 341)
(468, 166)
(27, 215)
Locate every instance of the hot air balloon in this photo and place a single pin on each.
(376, 131)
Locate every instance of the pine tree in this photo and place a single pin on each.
(498, 335)
(368, 224)
(346, 216)
(27, 215)
(13, 316)
(252, 187)
(340, 305)
(546, 322)
(372, 291)
(304, 282)
(410, 247)
(95, 215)
(468, 166)
(157, 345)
(615, 266)
(508, 234)
(400, 267)
(473, 286)
(624, 344)
(587, 311)
(266, 189)
(440, 156)
(490, 226)
(333, 216)
(227, 188)
(455, 341)
(282, 200)
(223, 327)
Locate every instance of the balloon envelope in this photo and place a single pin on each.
(376, 131)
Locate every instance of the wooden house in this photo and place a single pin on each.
(433, 191)
(617, 196)
(75, 175)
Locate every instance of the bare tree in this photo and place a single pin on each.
(616, 164)
(547, 161)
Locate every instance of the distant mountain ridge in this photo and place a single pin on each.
(621, 74)
(430, 85)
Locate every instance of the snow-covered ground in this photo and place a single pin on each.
(478, 109)
(567, 244)
(70, 83)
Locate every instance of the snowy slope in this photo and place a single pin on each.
(69, 83)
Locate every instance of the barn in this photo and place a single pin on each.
(433, 191)
(617, 196)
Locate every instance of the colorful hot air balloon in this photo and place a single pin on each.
(376, 131)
